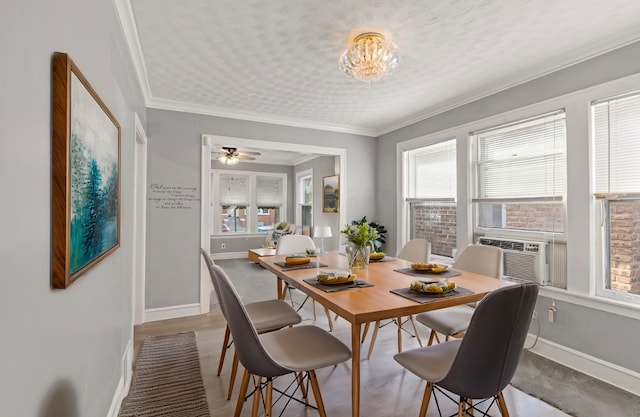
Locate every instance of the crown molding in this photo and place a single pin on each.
(255, 117)
(516, 80)
(124, 13)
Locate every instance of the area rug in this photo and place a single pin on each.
(167, 380)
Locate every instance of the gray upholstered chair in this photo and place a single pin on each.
(484, 260)
(289, 244)
(415, 250)
(300, 350)
(266, 316)
(480, 365)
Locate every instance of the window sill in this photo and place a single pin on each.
(238, 235)
(609, 305)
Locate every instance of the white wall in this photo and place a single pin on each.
(60, 348)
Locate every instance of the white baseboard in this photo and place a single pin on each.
(610, 373)
(228, 255)
(173, 312)
(125, 381)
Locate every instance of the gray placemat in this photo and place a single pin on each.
(358, 283)
(285, 267)
(423, 298)
(385, 259)
(435, 275)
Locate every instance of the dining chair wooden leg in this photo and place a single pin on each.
(374, 335)
(461, 407)
(268, 405)
(415, 330)
(243, 392)
(303, 389)
(365, 331)
(225, 344)
(232, 378)
(316, 394)
(313, 306)
(433, 336)
(503, 405)
(326, 311)
(425, 399)
(399, 319)
(469, 406)
(256, 397)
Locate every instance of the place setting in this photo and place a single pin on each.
(380, 257)
(299, 261)
(422, 269)
(424, 291)
(333, 280)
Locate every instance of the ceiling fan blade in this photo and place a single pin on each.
(246, 157)
(249, 153)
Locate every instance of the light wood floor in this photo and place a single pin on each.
(387, 389)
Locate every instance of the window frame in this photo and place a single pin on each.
(582, 229)
(406, 195)
(477, 201)
(601, 200)
(299, 195)
(252, 204)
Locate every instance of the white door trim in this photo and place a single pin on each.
(205, 190)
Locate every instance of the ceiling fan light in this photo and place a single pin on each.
(369, 58)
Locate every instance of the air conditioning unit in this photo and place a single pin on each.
(526, 261)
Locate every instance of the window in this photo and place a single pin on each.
(520, 175)
(616, 140)
(304, 197)
(431, 195)
(247, 201)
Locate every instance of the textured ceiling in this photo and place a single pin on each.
(277, 60)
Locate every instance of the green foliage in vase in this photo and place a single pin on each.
(362, 232)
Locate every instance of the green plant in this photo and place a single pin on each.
(380, 239)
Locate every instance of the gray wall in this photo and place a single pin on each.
(583, 329)
(173, 236)
(59, 345)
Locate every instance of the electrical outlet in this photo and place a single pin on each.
(552, 311)
(223, 246)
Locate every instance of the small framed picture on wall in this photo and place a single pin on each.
(331, 193)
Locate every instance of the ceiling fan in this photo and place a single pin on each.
(231, 156)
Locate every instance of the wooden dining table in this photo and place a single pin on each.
(362, 305)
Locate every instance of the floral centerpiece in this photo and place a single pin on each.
(359, 239)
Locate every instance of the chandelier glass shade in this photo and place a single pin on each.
(370, 57)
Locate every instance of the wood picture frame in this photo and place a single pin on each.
(331, 194)
(85, 175)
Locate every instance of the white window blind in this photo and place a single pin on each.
(432, 171)
(234, 190)
(522, 160)
(269, 191)
(616, 131)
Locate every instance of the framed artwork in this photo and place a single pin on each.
(85, 171)
(331, 193)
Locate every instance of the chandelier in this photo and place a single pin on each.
(370, 57)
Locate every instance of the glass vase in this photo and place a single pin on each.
(358, 256)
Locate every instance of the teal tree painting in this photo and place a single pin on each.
(92, 179)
